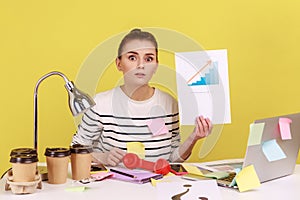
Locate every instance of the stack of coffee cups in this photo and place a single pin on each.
(24, 164)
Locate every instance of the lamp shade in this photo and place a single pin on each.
(79, 101)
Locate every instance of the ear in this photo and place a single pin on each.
(118, 64)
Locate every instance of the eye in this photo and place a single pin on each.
(149, 59)
(132, 58)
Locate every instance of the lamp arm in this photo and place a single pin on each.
(36, 102)
(46, 76)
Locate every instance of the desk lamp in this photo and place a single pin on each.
(79, 102)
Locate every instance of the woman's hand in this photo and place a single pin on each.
(203, 127)
(111, 158)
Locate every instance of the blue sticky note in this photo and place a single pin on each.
(272, 151)
(233, 182)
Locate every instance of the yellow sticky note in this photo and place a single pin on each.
(169, 174)
(192, 169)
(137, 148)
(153, 182)
(247, 179)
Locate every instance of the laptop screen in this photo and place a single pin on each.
(275, 155)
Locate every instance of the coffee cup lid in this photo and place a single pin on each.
(23, 151)
(57, 152)
(81, 149)
(23, 158)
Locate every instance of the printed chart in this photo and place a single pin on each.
(203, 86)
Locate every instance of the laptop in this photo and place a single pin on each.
(266, 170)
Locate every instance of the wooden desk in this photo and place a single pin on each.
(284, 188)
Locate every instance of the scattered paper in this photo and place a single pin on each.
(273, 151)
(256, 131)
(137, 148)
(284, 126)
(192, 169)
(187, 190)
(217, 175)
(157, 126)
(247, 179)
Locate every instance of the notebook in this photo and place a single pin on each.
(260, 155)
(133, 175)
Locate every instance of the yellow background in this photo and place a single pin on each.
(36, 37)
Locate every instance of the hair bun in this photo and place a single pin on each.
(136, 30)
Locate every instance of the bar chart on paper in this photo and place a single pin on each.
(210, 77)
(203, 86)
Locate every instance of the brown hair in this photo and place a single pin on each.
(137, 34)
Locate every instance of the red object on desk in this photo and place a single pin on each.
(161, 166)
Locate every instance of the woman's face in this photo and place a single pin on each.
(138, 62)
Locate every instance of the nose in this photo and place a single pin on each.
(141, 64)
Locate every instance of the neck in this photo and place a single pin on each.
(139, 93)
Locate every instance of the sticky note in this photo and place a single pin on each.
(256, 131)
(247, 179)
(157, 126)
(284, 127)
(192, 169)
(169, 174)
(217, 175)
(137, 148)
(75, 189)
(272, 150)
(153, 182)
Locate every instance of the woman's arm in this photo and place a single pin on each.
(111, 158)
(89, 129)
(203, 127)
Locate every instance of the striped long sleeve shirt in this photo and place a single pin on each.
(116, 120)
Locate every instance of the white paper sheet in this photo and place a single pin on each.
(203, 86)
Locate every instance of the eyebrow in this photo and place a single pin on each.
(133, 52)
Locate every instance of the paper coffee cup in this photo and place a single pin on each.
(81, 159)
(57, 164)
(24, 167)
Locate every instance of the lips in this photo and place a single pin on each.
(140, 75)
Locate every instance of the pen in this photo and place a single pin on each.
(122, 173)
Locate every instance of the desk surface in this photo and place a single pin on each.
(282, 188)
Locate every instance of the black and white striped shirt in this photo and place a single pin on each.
(116, 120)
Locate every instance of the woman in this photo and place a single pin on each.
(137, 112)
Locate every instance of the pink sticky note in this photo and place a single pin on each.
(157, 126)
(284, 126)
